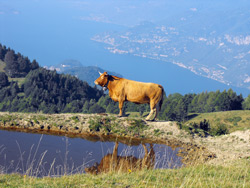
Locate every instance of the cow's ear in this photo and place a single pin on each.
(105, 74)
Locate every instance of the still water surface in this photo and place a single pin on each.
(48, 155)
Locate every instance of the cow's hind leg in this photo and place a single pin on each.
(150, 115)
(152, 112)
(157, 109)
(155, 106)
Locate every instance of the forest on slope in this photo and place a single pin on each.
(26, 87)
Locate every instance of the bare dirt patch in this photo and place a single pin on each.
(229, 147)
(235, 145)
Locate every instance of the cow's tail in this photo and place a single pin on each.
(161, 100)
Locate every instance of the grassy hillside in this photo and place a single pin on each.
(232, 120)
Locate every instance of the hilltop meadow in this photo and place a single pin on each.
(217, 158)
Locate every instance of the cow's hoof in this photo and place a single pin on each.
(150, 119)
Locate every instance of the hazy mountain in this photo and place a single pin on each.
(84, 73)
(65, 65)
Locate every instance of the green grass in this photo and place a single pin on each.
(236, 174)
(2, 65)
(232, 120)
(112, 124)
(20, 81)
(136, 114)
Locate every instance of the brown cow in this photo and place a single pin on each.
(121, 89)
(113, 162)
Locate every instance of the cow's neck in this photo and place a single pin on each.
(112, 83)
(106, 85)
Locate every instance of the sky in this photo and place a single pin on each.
(32, 26)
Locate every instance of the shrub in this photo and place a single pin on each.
(220, 129)
(158, 132)
(137, 126)
(204, 125)
(75, 118)
(95, 124)
(202, 129)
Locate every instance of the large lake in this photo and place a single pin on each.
(48, 155)
(70, 38)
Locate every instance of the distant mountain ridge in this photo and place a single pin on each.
(84, 73)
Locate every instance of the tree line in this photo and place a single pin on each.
(47, 91)
(177, 107)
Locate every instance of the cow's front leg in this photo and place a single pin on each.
(120, 107)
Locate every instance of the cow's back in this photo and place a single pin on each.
(140, 92)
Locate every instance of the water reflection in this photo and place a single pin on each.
(48, 155)
(128, 163)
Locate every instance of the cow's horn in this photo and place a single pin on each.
(100, 73)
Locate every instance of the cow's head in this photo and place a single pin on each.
(93, 169)
(102, 80)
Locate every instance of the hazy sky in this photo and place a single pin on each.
(125, 12)
(30, 26)
(51, 31)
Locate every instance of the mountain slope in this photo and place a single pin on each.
(35, 89)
